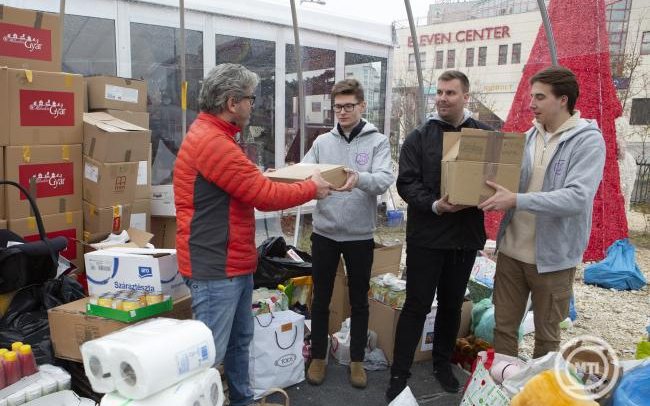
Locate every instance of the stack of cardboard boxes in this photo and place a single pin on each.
(117, 157)
(41, 113)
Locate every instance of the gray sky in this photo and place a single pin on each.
(384, 11)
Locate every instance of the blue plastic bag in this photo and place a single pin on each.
(483, 322)
(634, 388)
(618, 270)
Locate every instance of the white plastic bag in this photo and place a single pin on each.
(405, 398)
(276, 351)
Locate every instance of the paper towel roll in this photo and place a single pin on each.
(150, 360)
(188, 392)
(212, 388)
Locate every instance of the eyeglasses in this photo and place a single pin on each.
(251, 98)
(348, 107)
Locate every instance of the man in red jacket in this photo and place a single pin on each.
(216, 189)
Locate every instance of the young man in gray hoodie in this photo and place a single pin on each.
(344, 223)
(547, 224)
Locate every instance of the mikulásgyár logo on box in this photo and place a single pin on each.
(19, 41)
(46, 108)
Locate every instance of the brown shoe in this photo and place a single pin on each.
(316, 371)
(358, 376)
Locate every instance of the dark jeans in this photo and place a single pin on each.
(358, 256)
(428, 271)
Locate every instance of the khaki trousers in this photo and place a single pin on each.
(550, 294)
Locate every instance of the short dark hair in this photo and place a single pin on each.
(348, 86)
(563, 82)
(455, 74)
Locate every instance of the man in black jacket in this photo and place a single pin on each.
(441, 239)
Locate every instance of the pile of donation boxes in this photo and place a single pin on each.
(89, 172)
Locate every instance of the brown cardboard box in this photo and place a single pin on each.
(141, 214)
(68, 224)
(52, 174)
(110, 92)
(40, 108)
(30, 39)
(139, 118)
(334, 174)
(109, 139)
(464, 179)
(109, 184)
(143, 185)
(70, 326)
(2, 187)
(164, 231)
(383, 321)
(99, 222)
(3, 224)
(385, 259)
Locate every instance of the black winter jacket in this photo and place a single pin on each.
(418, 184)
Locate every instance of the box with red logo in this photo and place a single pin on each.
(29, 39)
(109, 184)
(52, 174)
(40, 108)
(99, 222)
(66, 224)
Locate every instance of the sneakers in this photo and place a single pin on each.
(358, 377)
(316, 371)
(396, 385)
(446, 378)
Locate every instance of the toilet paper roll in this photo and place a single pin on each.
(150, 360)
(185, 393)
(212, 388)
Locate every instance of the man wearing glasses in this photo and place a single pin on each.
(216, 189)
(344, 223)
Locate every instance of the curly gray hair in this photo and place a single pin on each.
(224, 81)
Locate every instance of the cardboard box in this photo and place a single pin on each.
(67, 224)
(139, 118)
(70, 326)
(109, 184)
(99, 222)
(2, 187)
(472, 157)
(52, 175)
(40, 108)
(383, 321)
(143, 184)
(3, 224)
(334, 174)
(110, 92)
(143, 269)
(385, 259)
(30, 39)
(141, 215)
(162, 201)
(109, 139)
(164, 231)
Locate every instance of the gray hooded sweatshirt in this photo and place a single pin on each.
(350, 216)
(563, 208)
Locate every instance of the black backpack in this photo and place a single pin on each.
(28, 263)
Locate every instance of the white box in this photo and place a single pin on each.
(162, 201)
(140, 269)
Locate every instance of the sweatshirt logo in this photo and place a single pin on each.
(362, 158)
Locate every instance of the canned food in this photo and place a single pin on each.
(154, 297)
(117, 303)
(105, 301)
(131, 304)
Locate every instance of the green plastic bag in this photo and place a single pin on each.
(643, 349)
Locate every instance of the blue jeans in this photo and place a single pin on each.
(224, 305)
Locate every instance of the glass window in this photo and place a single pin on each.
(371, 72)
(503, 54)
(469, 57)
(155, 56)
(319, 76)
(482, 56)
(640, 113)
(516, 53)
(440, 56)
(423, 59)
(451, 58)
(89, 45)
(258, 138)
(645, 43)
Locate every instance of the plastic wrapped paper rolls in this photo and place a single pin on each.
(202, 389)
(142, 360)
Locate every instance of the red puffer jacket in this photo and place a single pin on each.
(215, 190)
